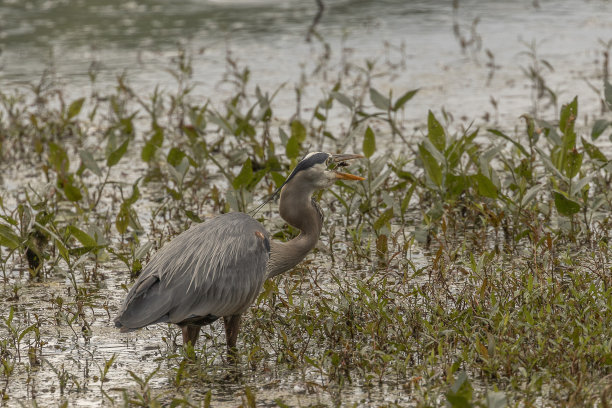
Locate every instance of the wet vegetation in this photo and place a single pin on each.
(471, 268)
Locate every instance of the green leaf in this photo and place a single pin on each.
(72, 192)
(508, 138)
(564, 205)
(61, 248)
(403, 99)
(155, 142)
(84, 238)
(175, 156)
(135, 195)
(244, 177)
(380, 101)
(75, 108)
(383, 219)
(278, 178)
(569, 113)
(407, 197)
(343, 99)
(8, 238)
(90, 163)
(593, 151)
(298, 131)
(29, 329)
(572, 163)
(486, 188)
(432, 168)
(58, 158)
(115, 156)
(369, 143)
(292, 149)
(460, 393)
(435, 132)
(123, 219)
(599, 127)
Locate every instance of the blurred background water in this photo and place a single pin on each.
(139, 37)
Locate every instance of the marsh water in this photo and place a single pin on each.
(67, 39)
(140, 37)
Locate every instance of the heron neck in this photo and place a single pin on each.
(300, 211)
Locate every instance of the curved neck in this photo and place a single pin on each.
(297, 208)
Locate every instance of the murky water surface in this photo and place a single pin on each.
(140, 37)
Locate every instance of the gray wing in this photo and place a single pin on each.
(213, 269)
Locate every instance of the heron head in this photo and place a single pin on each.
(319, 170)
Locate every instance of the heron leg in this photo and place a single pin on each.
(190, 334)
(232, 325)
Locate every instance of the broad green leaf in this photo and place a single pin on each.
(292, 148)
(90, 163)
(175, 156)
(298, 131)
(244, 177)
(75, 108)
(593, 151)
(573, 162)
(564, 205)
(369, 143)
(569, 113)
(486, 188)
(155, 142)
(432, 168)
(460, 393)
(135, 195)
(599, 127)
(343, 99)
(401, 101)
(8, 238)
(84, 238)
(72, 193)
(378, 100)
(116, 155)
(278, 178)
(456, 185)
(435, 132)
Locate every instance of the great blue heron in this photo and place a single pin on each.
(217, 268)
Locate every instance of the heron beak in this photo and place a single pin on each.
(339, 158)
(347, 176)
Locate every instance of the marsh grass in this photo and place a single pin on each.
(470, 268)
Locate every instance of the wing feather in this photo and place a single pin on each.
(214, 268)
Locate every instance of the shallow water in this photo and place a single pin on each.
(268, 36)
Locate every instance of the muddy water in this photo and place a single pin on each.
(268, 36)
